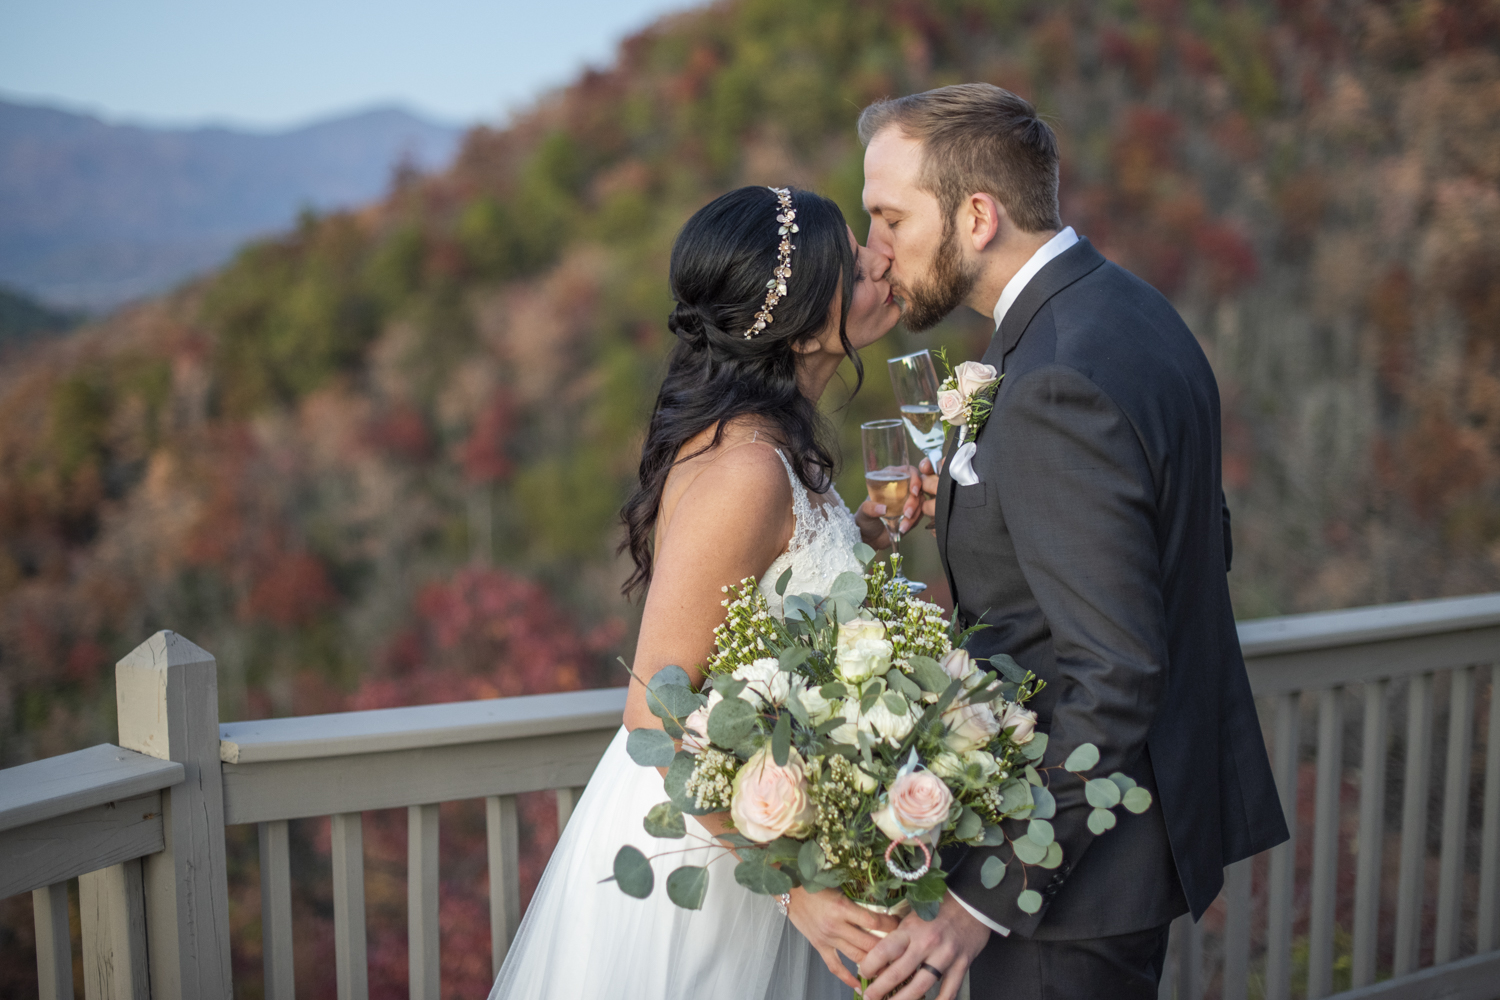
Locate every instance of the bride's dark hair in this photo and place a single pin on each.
(720, 265)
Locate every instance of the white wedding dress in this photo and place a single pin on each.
(582, 940)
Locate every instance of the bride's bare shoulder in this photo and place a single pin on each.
(741, 472)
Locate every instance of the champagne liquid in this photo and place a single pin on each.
(890, 487)
(921, 421)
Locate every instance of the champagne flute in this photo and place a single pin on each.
(916, 383)
(888, 480)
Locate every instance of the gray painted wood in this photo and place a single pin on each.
(67, 846)
(1455, 814)
(1370, 850)
(1413, 824)
(112, 910)
(422, 901)
(1284, 754)
(56, 786)
(1409, 619)
(1473, 978)
(1487, 935)
(294, 789)
(167, 693)
(421, 726)
(54, 942)
(276, 910)
(1325, 865)
(352, 965)
(1237, 930)
(567, 799)
(1356, 663)
(1171, 972)
(502, 834)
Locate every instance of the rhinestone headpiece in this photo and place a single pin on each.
(786, 216)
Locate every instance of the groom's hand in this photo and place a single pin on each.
(948, 943)
(923, 499)
(872, 530)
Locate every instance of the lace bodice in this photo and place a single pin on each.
(820, 548)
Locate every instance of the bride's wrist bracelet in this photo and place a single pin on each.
(783, 903)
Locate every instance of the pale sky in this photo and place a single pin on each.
(274, 63)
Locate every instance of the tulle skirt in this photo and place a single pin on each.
(581, 939)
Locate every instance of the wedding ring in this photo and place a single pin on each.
(936, 973)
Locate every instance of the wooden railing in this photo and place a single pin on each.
(142, 825)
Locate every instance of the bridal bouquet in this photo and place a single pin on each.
(849, 740)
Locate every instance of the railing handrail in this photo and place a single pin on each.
(1323, 629)
(70, 783)
(417, 727)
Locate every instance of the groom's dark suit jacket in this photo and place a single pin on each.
(1096, 546)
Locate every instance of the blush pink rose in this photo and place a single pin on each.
(951, 406)
(695, 731)
(970, 727)
(771, 801)
(974, 377)
(1022, 719)
(919, 803)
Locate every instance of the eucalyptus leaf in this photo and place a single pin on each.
(831, 878)
(797, 607)
(810, 860)
(1045, 804)
(687, 886)
(992, 873)
(1054, 856)
(929, 674)
(871, 695)
(850, 587)
(1137, 800)
(781, 740)
(734, 839)
(1040, 832)
(843, 611)
(863, 552)
(633, 872)
(1032, 776)
(833, 689)
(1035, 748)
(1028, 850)
(798, 710)
(897, 681)
(895, 703)
(650, 747)
(970, 825)
(930, 888)
(1124, 781)
(1083, 757)
(671, 674)
(730, 721)
(793, 657)
(1014, 795)
(1029, 901)
(671, 728)
(757, 876)
(1102, 793)
(665, 821)
(1008, 667)
(729, 687)
(829, 725)
(782, 581)
(783, 849)
(926, 909)
(1101, 820)
(952, 691)
(993, 836)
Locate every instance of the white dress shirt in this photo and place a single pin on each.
(1008, 295)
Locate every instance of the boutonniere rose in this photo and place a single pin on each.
(966, 395)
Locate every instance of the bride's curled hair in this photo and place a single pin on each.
(720, 265)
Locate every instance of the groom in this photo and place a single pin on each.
(1090, 533)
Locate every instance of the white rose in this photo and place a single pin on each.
(969, 727)
(947, 765)
(864, 780)
(863, 651)
(695, 730)
(766, 682)
(819, 708)
(951, 406)
(974, 377)
(989, 767)
(1022, 719)
(959, 666)
(890, 726)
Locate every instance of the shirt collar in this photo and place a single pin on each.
(1044, 255)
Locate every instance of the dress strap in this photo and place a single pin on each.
(801, 506)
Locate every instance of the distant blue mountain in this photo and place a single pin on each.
(93, 214)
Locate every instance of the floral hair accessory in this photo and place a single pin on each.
(786, 215)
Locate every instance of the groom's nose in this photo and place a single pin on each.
(879, 265)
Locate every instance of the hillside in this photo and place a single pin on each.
(377, 459)
(94, 214)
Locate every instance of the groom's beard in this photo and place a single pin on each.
(944, 289)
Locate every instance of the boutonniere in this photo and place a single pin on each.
(967, 395)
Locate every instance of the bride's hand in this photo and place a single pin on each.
(872, 530)
(832, 924)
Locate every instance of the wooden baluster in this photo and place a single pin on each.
(112, 910)
(567, 798)
(1237, 930)
(503, 834)
(422, 901)
(1413, 824)
(1283, 856)
(1455, 814)
(276, 909)
(351, 964)
(54, 941)
(1488, 936)
(1370, 863)
(1170, 987)
(1325, 870)
(1191, 958)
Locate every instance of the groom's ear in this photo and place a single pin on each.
(981, 218)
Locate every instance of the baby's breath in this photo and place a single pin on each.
(711, 783)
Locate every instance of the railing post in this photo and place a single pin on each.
(167, 692)
(54, 942)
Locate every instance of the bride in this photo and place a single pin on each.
(735, 482)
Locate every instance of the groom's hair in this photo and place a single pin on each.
(977, 138)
